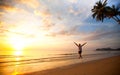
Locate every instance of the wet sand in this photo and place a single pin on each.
(106, 66)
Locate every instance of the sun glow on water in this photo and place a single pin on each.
(18, 53)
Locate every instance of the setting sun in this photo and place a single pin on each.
(18, 42)
(18, 53)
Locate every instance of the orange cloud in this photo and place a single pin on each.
(42, 13)
(1, 13)
(8, 8)
(30, 3)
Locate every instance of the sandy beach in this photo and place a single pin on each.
(106, 66)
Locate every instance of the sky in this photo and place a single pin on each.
(54, 25)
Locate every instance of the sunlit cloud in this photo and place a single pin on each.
(1, 13)
(30, 3)
(72, 1)
(45, 13)
(46, 20)
(64, 31)
(8, 9)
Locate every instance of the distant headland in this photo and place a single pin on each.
(107, 49)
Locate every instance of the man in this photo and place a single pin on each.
(80, 48)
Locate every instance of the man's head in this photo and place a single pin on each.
(79, 45)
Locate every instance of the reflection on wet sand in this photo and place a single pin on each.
(2, 72)
(16, 67)
(7, 67)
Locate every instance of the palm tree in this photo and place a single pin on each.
(101, 11)
(116, 13)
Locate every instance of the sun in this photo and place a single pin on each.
(18, 53)
(18, 42)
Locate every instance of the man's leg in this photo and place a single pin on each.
(80, 56)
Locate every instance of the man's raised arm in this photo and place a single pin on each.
(75, 43)
(84, 44)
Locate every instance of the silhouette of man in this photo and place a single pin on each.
(80, 48)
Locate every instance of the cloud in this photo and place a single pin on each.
(6, 2)
(72, 1)
(30, 3)
(99, 36)
(12, 17)
(65, 31)
(47, 24)
(4, 29)
(16, 5)
(44, 13)
(1, 13)
(19, 17)
(8, 9)
(7, 5)
(60, 33)
(73, 11)
(46, 18)
(102, 33)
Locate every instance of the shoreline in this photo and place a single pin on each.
(106, 66)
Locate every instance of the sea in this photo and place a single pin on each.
(13, 64)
